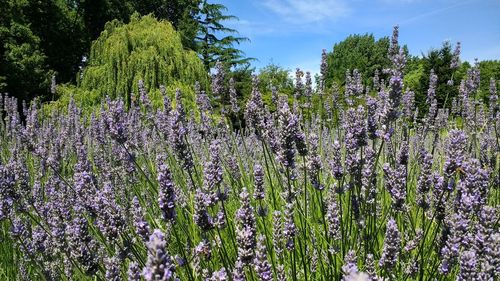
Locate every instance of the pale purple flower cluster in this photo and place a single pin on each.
(159, 265)
(246, 232)
(392, 246)
(166, 190)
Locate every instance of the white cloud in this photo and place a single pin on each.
(435, 12)
(308, 11)
(251, 29)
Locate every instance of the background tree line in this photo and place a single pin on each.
(370, 56)
(39, 39)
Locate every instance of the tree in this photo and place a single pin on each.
(360, 52)
(62, 34)
(144, 49)
(181, 13)
(438, 60)
(489, 69)
(277, 77)
(23, 65)
(215, 42)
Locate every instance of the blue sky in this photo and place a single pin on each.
(292, 33)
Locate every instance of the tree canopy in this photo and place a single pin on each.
(145, 49)
(360, 52)
(216, 42)
(41, 38)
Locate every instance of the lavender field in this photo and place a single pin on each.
(346, 184)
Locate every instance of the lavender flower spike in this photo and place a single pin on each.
(262, 266)
(159, 265)
(392, 246)
(166, 196)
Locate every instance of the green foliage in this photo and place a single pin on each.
(181, 13)
(242, 76)
(412, 78)
(23, 65)
(274, 75)
(360, 52)
(62, 34)
(145, 49)
(42, 38)
(215, 42)
(489, 69)
(438, 60)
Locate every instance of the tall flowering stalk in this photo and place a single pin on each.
(246, 232)
(159, 265)
(166, 194)
(392, 246)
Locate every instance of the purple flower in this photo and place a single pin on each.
(394, 46)
(115, 121)
(431, 92)
(456, 225)
(233, 97)
(353, 86)
(455, 60)
(219, 275)
(177, 137)
(369, 179)
(239, 271)
(261, 265)
(392, 246)
(112, 269)
(395, 182)
(159, 264)
(246, 231)
(287, 132)
(376, 80)
(474, 185)
(166, 193)
(323, 69)
(254, 113)
(455, 148)
(425, 180)
(259, 192)
(218, 80)
(468, 266)
(403, 154)
(201, 216)
(289, 229)
(133, 273)
(7, 191)
(336, 163)
(371, 122)
(308, 89)
(355, 127)
(110, 218)
(278, 233)
(314, 162)
(299, 86)
(141, 225)
(493, 105)
(408, 104)
(333, 217)
(350, 264)
(203, 249)
(203, 102)
(83, 247)
(212, 173)
(280, 274)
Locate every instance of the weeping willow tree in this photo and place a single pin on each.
(145, 49)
